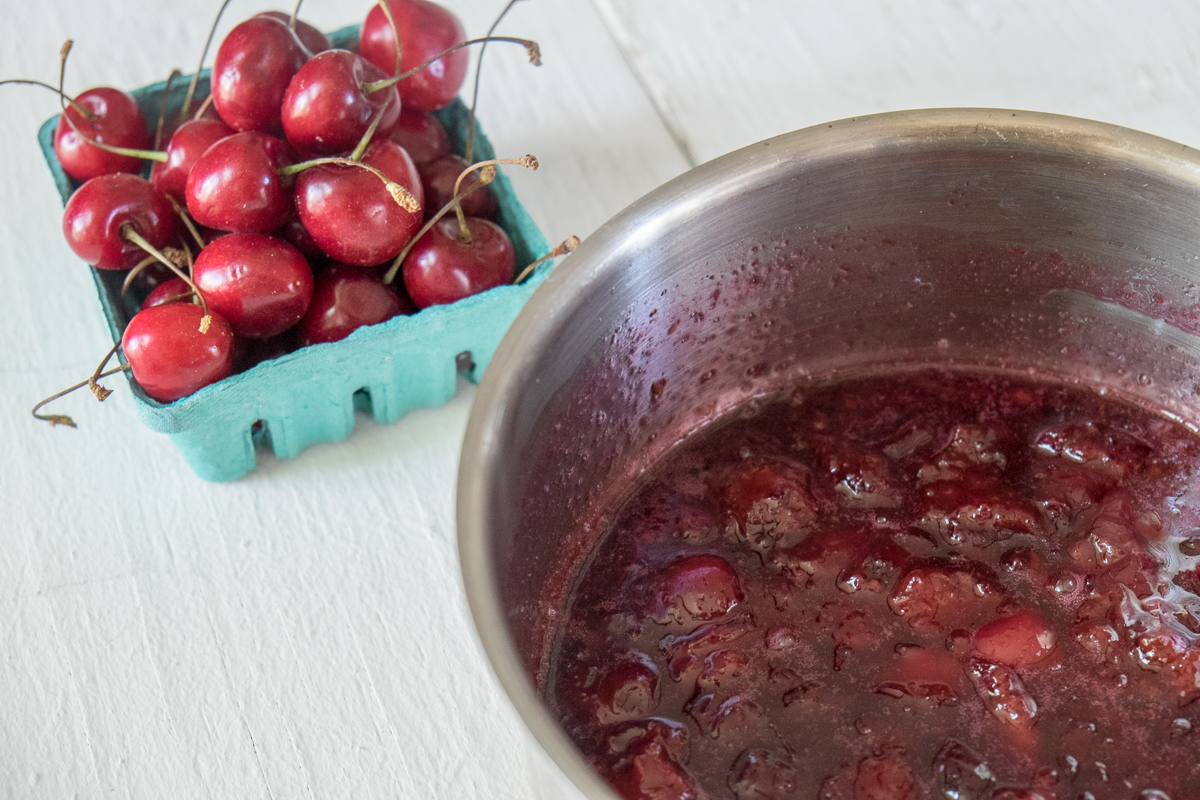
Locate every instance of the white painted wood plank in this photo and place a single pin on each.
(727, 74)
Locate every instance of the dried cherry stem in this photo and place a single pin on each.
(200, 109)
(93, 382)
(531, 47)
(567, 246)
(186, 218)
(469, 147)
(527, 161)
(133, 236)
(152, 155)
(402, 196)
(485, 177)
(162, 108)
(387, 12)
(295, 13)
(63, 419)
(191, 92)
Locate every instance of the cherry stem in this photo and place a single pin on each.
(128, 232)
(464, 233)
(63, 419)
(365, 141)
(567, 246)
(93, 382)
(487, 176)
(469, 148)
(152, 155)
(387, 12)
(191, 92)
(63, 52)
(162, 110)
(83, 112)
(200, 109)
(402, 196)
(133, 273)
(183, 215)
(531, 47)
(295, 13)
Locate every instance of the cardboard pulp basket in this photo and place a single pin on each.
(311, 395)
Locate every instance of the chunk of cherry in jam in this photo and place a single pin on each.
(936, 585)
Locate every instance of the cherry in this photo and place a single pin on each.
(100, 210)
(1003, 693)
(438, 179)
(189, 141)
(169, 291)
(425, 29)
(248, 353)
(116, 119)
(295, 234)
(626, 689)
(345, 299)
(312, 38)
(349, 212)
(441, 269)
(1017, 641)
(885, 776)
(236, 185)
(260, 284)
(325, 110)
(940, 596)
(250, 76)
(425, 139)
(700, 587)
(168, 354)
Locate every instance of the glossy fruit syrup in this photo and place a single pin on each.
(935, 585)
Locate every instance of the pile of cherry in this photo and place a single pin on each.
(284, 207)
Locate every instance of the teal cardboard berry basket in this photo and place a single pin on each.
(311, 395)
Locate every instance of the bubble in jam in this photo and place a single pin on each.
(937, 584)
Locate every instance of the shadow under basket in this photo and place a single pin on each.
(311, 395)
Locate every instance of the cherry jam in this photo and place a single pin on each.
(932, 585)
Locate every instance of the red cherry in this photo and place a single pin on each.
(260, 284)
(171, 291)
(701, 588)
(348, 211)
(187, 144)
(1017, 641)
(441, 269)
(326, 111)
(426, 29)
(254, 64)
(312, 38)
(236, 185)
(168, 354)
(425, 139)
(98, 211)
(626, 689)
(295, 234)
(438, 178)
(345, 299)
(116, 120)
(249, 353)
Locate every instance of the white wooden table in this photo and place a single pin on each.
(302, 633)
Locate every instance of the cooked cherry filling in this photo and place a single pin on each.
(943, 585)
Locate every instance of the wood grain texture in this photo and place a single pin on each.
(727, 74)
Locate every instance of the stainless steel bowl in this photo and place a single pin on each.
(1000, 239)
